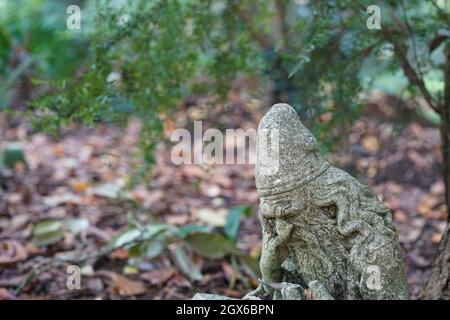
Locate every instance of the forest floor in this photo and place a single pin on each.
(77, 177)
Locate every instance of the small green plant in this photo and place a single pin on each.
(11, 154)
(148, 242)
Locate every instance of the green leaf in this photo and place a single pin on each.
(124, 238)
(185, 264)
(153, 248)
(47, 232)
(109, 190)
(149, 249)
(153, 230)
(210, 245)
(233, 221)
(191, 228)
(12, 154)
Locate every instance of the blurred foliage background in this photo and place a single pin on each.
(145, 57)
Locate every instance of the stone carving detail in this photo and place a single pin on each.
(322, 229)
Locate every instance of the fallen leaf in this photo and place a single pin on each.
(168, 126)
(14, 198)
(58, 212)
(11, 252)
(58, 150)
(124, 286)
(110, 190)
(440, 212)
(178, 219)
(158, 276)
(400, 216)
(87, 270)
(19, 221)
(409, 233)
(77, 225)
(194, 171)
(179, 281)
(80, 186)
(33, 250)
(371, 144)
(229, 272)
(12, 281)
(95, 285)
(6, 295)
(418, 260)
(209, 190)
(212, 217)
(4, 223)
(436, 238)
(423, 210)
(418, 159)
(438, 188)
(427, 203)
(59, 199)
(119, 254)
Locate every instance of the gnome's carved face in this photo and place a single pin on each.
(288, 214)
(310, 232)
(279, 211)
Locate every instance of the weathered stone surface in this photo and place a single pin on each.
(322, 229)
(208, 296)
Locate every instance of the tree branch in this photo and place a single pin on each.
(284, 29)
(447, 80)
(408, 69)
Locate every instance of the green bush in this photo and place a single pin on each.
(145, 57)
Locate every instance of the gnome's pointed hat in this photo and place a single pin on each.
(287, 153)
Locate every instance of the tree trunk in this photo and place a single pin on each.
(445, 137)
(438, 287)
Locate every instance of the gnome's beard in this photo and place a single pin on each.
(320, 255)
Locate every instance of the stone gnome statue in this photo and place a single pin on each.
(322, 229)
